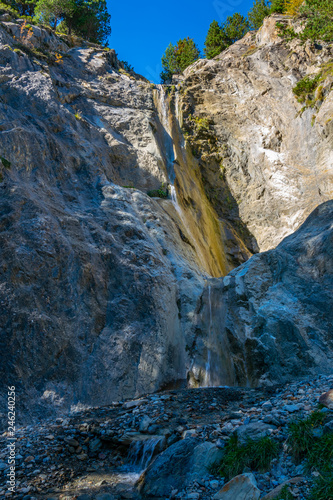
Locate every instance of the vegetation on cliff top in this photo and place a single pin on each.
(316, 18)
(178, 57)
(88, 19)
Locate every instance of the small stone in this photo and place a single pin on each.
(134, 404)
(214, 484)
(291, 408)
(72, 442)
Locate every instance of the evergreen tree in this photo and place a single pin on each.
(260, 10)
(178, 57)
(52, 12)
(214, 43)
(319, 20)
(24, 7)
(235, 27)
(278, 6)
(91, 20)
(86, 18)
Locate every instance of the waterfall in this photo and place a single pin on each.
(141, 452)
(168, 141)
(208, 367)
(169, 146)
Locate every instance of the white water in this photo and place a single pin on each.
(208, 367)
(141, 453)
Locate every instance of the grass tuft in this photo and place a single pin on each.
(255, 455)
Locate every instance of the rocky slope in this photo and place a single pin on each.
(99, 454)
(106, 292)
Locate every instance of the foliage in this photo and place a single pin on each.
(278, 7)
(158, 193)
(319, 20)
(53, 11)
(128, 67)
(5, 163)
(91, 20)
(320, 455)
(86, 18)
(285, 494)
(305, 87)
(235, 27)
(316, 16)
(200, 124)
(292, 6)
(301, 436)
(323, 488)
(317, 452)
(215, 42)
(23, 7)
(178, 57)
(256, 455)
(260, 10)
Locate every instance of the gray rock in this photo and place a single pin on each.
(282, 300)
(178, 466)
(291, 408)
(255, 430)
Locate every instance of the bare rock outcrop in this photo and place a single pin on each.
(272, 318)
(264, 155)
(103, 288)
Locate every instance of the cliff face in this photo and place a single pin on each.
(274, 152)
(104, 290)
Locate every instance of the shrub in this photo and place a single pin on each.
(292, 7)
(301, 436)
(306, 86)
(323, 488)
(158, 193)
(256, 455)
(5, 163)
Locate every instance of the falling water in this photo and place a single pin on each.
(208, 367)
(141, 453)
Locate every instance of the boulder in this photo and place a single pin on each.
(255, 430)
(242, 487)
(178, 466)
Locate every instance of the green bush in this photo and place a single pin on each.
(256, 455)
(301, 438)
(5, 163)
(158, 193)
(306, 86)
(323, 488)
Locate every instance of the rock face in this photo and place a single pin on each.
(275, 158)
(105, 292)
(273, 316)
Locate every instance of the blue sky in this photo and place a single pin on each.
(141, 30)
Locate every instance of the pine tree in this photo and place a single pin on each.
(277, 6)
(235, 27)
(260, 10)
(178, 57)
(214, 43)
